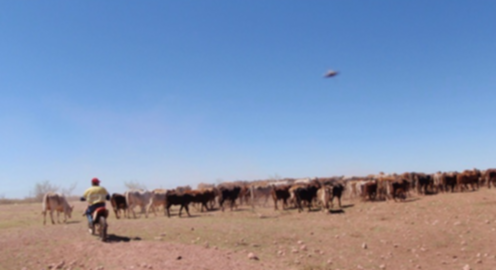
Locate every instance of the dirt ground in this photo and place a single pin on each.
(445, 231)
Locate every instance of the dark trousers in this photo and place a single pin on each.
(90, 210)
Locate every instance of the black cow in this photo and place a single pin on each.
(337, 191)
(449, 181)
(280, 193)
(118, 202)
(174, 198)
(307, 193)
(424, 181)
(228, 194)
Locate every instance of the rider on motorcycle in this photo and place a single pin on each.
(96, 196)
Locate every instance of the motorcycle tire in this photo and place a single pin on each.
(103, 228)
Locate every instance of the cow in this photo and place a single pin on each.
(202, 197)
(228, 193)
(324, 196)
(306, 194)
(55, 202)
(448, 180)
(399, 189)
(337, 192)
(438, 181)
(260, 192)
(174, 198)
(118, 202)
(490, 177)
(423, 181)
(137, 198)
(368, 190)
(157, 199)
(468, 177)
(244, 194)
(280, 193)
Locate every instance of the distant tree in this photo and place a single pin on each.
(41, 188)
(275, 177)
(134, 185)
(68, 191)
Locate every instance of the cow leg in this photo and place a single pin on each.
(51, 216)
(180, 209)
(275, 204)
(187, 210)
(44, 217)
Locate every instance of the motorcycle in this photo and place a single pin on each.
(100, 225)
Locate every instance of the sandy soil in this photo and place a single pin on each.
(445, 231)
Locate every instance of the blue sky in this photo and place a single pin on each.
(170, 93)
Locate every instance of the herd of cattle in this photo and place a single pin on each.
(309, 192)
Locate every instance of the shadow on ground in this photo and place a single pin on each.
(113, 238)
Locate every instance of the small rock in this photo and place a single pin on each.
(280, 252)
(479, 261)
(329, 261)
(252, 256)
(207, 245)
(364, 246)
(299, 242)
(294, 250)
(303, 247)
(382, 266)
(466, 267)
(179, 257)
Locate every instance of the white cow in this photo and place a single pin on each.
(55, 202)
(137, 198)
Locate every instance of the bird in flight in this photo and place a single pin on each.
(330, 73)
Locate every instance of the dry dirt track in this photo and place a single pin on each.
(446, 231)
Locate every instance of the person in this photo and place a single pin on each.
(95, 196)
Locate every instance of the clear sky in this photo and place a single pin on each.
(169, 93)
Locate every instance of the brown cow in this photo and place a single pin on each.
(399, 189)
(490, 177)
(55, 202)
(468, 177)
(368, 190)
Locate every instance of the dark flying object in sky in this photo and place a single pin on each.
(330, 73)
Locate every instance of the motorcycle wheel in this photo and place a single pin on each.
(103, 228)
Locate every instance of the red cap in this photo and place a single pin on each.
(95, 181)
